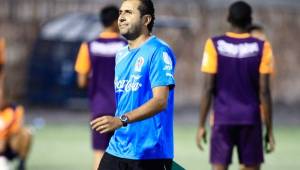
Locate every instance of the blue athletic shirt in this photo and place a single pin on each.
(137, 71)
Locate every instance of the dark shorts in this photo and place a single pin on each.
(9, 153)
(247, 139)
(100, 141)
(110, 162)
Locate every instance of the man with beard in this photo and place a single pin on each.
(144, 88)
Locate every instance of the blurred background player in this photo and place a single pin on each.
(236, 70)
(257, 31)
(15, 139)
(95, 66)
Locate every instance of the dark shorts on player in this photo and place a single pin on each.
(9, 153)
(100, 141)
(247, 139)
(110, 162)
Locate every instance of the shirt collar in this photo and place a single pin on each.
(237, 35)
(109, 35)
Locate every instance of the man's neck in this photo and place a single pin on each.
(238, 30)
(138, 41)
(110, 29)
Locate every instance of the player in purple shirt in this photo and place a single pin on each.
(95, 67)
(236, 70)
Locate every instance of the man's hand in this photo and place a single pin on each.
(201, 135)
(106, 124)
(269, 143)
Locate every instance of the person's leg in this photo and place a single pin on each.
(100, 143)
(98, 154)
(222, 143)
(219, 167)
(20, 143)
(244, 167)
(250, 147)
(2, 145)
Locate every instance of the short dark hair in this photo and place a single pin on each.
(147, 8)
(108, 15)
(240, 14)
(254, 27)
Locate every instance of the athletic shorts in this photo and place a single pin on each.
(110, 162)
(9, 153)
(247, 139)
(100, 141)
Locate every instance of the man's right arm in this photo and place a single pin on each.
(209, 68)
(205, 103)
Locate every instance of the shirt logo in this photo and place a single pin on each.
(105, 49)
(168, 61)
(242, 50)
(139, 64)
(169, 75)
(132, 84)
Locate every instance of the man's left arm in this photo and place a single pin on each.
(155, 105)
(266, 69)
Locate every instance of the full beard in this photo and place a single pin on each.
(132, 35)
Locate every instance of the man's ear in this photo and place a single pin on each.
(147, 19)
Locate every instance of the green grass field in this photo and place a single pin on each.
(67, 147)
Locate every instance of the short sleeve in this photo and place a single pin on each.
(267, 61)
(162, 68)
(209, 61)
(83, 63)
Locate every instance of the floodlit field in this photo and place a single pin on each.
(67, 147)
